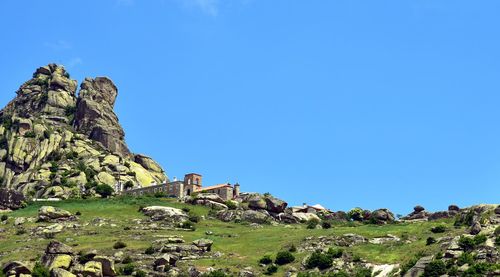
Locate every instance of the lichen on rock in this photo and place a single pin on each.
(54, 143)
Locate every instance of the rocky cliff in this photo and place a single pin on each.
(54, 143)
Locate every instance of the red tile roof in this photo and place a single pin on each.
(215, 187)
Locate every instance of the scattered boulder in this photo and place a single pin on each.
(92, 269)
(16, 268)
(476, 228)
(107, 265)
(213, 197)
(275, 205)
(303, 217)
(255, 217)
(418, 213)
(228, 215)
(418, 268)
(57, 255)
(11, 199)
(50, 214)
(382, 216)
(168, 214)
(265, 202)
(203, 244)
(164, 262)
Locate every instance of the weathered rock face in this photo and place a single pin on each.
(53, 144)
(10, 199)
(95, 116)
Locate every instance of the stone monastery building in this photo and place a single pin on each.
(192, 183)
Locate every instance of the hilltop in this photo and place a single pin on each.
(57, 142)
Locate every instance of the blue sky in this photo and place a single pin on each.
(343, 103)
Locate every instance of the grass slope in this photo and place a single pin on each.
(241, 244)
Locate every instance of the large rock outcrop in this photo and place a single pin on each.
(95, 116)
(55, 144)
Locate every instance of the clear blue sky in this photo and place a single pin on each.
(343, 103)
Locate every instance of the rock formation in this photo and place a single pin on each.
(55, 144)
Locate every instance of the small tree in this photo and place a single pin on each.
(104, 190)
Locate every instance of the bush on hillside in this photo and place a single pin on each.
(265, 260)
(119, 245)
(435, 268)
(40, 271)
(430, 240)
(326, 225)
(312, 223)
(284, 257)
(438, 229)
(128, 269)
(271, 269)
(335, 253)
(355, 214)
(231, 205)
(104, 190)
(319, 260)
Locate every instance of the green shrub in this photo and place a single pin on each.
(480, 239)
(4, 143)
(497, 241)
(355, 214)
(140, 273)
(465, 258)
(70, 110)
(40, 271)
(128, 185)
(194, 218)
(435, 269)
(292, 248)
(438, 229)
(312, 223)
(266, 260)
(72, 155)
(128, 269)
(466, 243)
(78, 213)
(430, 240)
(119, 245)
(149, 251)
(481, 269)
(362, 272)
(231, 205)
(104, 190)
(54, 167)
(335, 253)
(127, 260)
(326, 225)
(271, 269)
(284, 257)
(4, 217)
(319, 260)
(30, 134)
(466, 220)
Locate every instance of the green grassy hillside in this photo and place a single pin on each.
(104, 222)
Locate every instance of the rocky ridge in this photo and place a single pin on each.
(55, 143)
